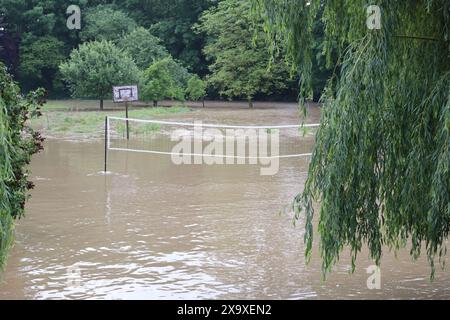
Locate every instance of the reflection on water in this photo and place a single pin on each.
(153, 230)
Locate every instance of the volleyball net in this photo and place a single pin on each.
(212, 142)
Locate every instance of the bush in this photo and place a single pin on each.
(18, 142)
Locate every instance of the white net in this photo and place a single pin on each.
(229, 142)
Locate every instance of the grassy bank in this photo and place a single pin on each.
(60, 121)
(84, 105)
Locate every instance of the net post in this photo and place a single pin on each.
(106, 142)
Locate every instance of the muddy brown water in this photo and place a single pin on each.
(154, 230)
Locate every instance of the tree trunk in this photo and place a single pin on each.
(250, 103)
(155, 103)
(101, 104)
(203, 101)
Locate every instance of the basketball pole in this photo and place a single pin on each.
(106, 143)
(128, 123)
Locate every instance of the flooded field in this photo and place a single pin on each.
(154, 230)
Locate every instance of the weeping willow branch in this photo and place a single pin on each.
(380, 168)
(421, 38)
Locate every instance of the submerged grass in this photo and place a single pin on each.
(91, 123)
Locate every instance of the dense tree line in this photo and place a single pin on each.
(35, 39)
(35, 42)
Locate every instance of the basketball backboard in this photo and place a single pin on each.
(125, 94)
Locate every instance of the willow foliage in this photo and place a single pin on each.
(380, 169)
(18, 143)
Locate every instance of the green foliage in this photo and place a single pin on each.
(105, 23)
(121, 22)
(159, 83)
(27, 22)
(323, 63)
(172, 21)
(40, 58)
(196, 88)
(26, 16)
(178, 72)
(18, 143)
(380, 169)
(239, 63)
(96, 67)
(143, 47)
(39, 18)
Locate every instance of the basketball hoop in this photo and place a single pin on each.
(125, 94)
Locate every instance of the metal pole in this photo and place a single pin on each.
(106, 143)
(128, 124)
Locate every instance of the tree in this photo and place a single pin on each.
(40, 59)
(18, 142)
(35, 17)
(380, 168)
(96, 67)
(196, 89)
(178, 72)
(240, 65)
(172, 21)
(24, 20)
(159, 83)
(105, 23)
(143, 47)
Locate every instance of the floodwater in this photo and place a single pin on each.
(154, 230)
